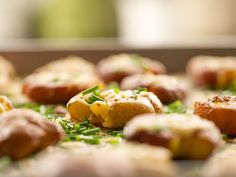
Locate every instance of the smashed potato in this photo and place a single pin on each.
(24, 132)
(111, 109)
(212, 71)
(167, 88)
(221, 110)
(116, 67)
(187, 136)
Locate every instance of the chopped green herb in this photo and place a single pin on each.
(94, 98)
(90, 90)
(4, 162)
(114, 86)
(56, 79)
(89, 139)
(118, 133)
(175, 107)
(114, 140)
(92, 131)
(231, 87)
(224, 136)
(158, 129)
(139, 90)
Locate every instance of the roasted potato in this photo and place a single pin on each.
(23, 132)
(167, 88)
(187, 136)
(116, 67)
(221, 110)
(120, 161)
(110, 109)
(51, 88)
(210, 71)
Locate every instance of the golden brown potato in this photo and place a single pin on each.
(210, 71)
(116, 67)
(124, 160)
(110, 109)
(60, 80)
(221, 110)
(51, 88)
(23, 132)
(167, 88)
(187, 136)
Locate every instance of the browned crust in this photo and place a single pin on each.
(223, 117)
(117, 76)
(51, 94)
(27, 132)
(114, 76)
(167, 96)
(152, 138)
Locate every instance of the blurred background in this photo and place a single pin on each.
(145, 21)
(160, 29)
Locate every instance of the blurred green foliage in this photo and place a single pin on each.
(76, 18)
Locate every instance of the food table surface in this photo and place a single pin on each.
(28, 55)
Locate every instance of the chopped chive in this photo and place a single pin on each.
(224, 136)
(88, 139)
(118, 133)
(90, 90)
(140, 89)
(94, 98)
(55, 79)
(175, 107)
(91, 131)
(114, 86)
(4, 162)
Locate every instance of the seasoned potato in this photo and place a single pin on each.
(187, 136)
(167, 88)
(23, 132)
(60, 80)
(111, 109)
(116, 67)
(51, 88)
(120, 161)
(210, 71)
(221, 110)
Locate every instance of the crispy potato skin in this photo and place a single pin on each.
(211, 71)
(60, 80)
(152, 138)
(51, 95)
(24, 132)
(168, 96)
(221, 111)
(167, 88)
(196, 143)
(116, 67)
